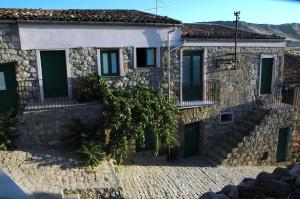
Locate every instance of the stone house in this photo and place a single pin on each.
(230, 103)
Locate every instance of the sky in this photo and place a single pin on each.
(253, 11)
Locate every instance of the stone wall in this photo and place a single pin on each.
(263, 140)
(238, 86)
(47, 127)
(239, 89)
(10, 51)
(281, 183)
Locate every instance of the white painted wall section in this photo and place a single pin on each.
(62, 36)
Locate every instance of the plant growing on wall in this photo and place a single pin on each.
(128, 113)
(7, 130)
(86, 140)
(87, 89)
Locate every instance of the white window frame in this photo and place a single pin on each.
(40, 72)
(274, 57)
(204, 76)
(227, 122)
(121, 64)
(3, 86)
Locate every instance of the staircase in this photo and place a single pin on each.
(228, 143)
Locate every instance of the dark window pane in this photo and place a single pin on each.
(146, 57)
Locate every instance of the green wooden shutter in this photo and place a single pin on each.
(8, 91)
(266, 76)
(54, 72)
(110, 63)
(191, 140)
(192, 87)
(282, 144)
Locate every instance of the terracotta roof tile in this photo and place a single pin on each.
(216, 31)
(91, 16)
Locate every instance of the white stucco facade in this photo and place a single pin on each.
(62, 36)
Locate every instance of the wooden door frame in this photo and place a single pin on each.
(263, 56)
(40, 71)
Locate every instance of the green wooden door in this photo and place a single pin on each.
(8, 88)
(54, 74)
(266, 76)
(149, 142)
(282, 144)
(191, 140)
(192, 76)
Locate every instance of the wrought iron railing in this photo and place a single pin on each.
(40, 94)
(281, 97)
(203, 94)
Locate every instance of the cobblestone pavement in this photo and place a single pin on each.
(187, 178)
(44, 173)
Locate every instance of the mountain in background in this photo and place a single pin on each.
(291, 31)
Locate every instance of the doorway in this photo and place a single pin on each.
(191, 139)
(8, 88)
(192, 85)
(282, 145)
(54, 73)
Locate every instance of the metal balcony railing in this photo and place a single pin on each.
(282, 97)
(40, 94)
(206, 93)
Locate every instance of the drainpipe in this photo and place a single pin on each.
(169, 62)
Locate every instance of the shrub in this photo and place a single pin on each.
(92, 154)
(80, 133)
(7, 130)
(88, 89)
(128, 113)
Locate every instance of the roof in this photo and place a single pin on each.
(291, 72)
(86, 16)
(216, 31)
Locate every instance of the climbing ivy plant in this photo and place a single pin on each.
(128, 113)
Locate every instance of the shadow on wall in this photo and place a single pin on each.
(43, 195)
(194, 115)
(246, 119)
(153, 37)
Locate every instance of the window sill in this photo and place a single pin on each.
(108, 77)
(147, 68)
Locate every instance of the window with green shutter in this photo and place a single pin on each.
(110, 62)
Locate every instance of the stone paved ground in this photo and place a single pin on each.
(44, 173)
(189, 178)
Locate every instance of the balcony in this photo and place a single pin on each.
(39, 94)
(204, 93)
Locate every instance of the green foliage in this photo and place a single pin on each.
(82, 137)
(7, 130)
(92, 154)
(80, 133)
(128, 113)
(87, 89)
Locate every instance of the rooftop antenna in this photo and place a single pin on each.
(158, 7)
(237, 18)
